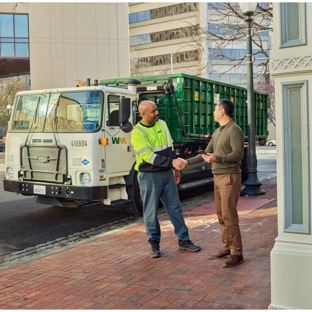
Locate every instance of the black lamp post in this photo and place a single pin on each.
(252, 184)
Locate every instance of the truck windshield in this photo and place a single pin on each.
(58, 112)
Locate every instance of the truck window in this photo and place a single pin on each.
(112, 114)
(58, 112)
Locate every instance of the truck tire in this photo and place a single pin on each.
(136, 205)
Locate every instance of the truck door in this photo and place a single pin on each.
(118, 152)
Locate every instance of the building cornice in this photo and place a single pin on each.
(290, 65)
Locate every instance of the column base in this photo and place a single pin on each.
(291, 275)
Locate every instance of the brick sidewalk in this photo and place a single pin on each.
(114, 271)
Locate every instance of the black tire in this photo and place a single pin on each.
(270, 144)
(136, 206)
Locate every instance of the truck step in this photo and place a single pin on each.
(118, 185)
(120, 202)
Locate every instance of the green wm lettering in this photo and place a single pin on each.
(118, 140)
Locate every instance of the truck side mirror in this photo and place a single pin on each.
(124, 114)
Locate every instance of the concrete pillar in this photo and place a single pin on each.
(291, 68)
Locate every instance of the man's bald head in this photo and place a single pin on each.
(145, 105)
(149, 112)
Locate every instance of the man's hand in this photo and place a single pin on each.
(177, 176)
(179, 163)
(209, 157)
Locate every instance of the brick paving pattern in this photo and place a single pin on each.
(114, 271)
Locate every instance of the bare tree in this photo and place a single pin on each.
(8, 88)
(268, 87)
(227, 25)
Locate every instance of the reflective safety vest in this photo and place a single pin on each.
(153, 146)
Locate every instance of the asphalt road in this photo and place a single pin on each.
(24, 224)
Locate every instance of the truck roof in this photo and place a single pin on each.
(91, 88)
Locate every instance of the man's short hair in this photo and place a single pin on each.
(228, 106)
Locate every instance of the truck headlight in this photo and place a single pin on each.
(85, 178)
(9, 172)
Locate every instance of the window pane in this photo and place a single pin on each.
(296, 155)
(148, 15)
(242, 52)
(235, 78)
(235, 53)
(144, 39)
(7, 49)
(226, 78)
(21, 25)
(6, 25)
(132, 18)
(214, 77)
(293, 20)
(133, 40)
(141, 16)
(21, 50)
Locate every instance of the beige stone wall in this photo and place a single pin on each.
(75, 41)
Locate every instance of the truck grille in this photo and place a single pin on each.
(44, 163)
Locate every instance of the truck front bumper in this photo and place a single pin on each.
(93, 193)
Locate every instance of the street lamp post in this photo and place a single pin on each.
(172, 54)
(252, 184)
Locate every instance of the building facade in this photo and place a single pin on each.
(291, 67)
(59, 43)
(159, 29)
(173, 37)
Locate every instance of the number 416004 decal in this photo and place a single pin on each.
(79, 143)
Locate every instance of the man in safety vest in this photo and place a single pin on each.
(154, 162)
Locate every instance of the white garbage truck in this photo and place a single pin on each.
(71, 146)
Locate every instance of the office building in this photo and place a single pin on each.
(59, 43)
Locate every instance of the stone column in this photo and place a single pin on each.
(291, 68)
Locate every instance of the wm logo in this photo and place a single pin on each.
(119, 140)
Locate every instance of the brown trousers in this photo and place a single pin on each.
(226, 191)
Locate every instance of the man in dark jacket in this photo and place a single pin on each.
(225, 152)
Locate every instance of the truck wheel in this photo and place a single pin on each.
(136, 206)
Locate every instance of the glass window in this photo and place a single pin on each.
(226, 78)
(133, 40)
(112, 116)
(235, 53)
(162, 12)
(293, 24)
(141, 16)
(14, 35)
(148, 15)
(293, 20)
(133, 18)
(58, 112)
(21, 50)
(21, 25)
(214, 77)
(7, 49)
(144, 39)
(6, 25)
(297, 157)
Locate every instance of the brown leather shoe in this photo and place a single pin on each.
(233, 261)
(222, 253)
